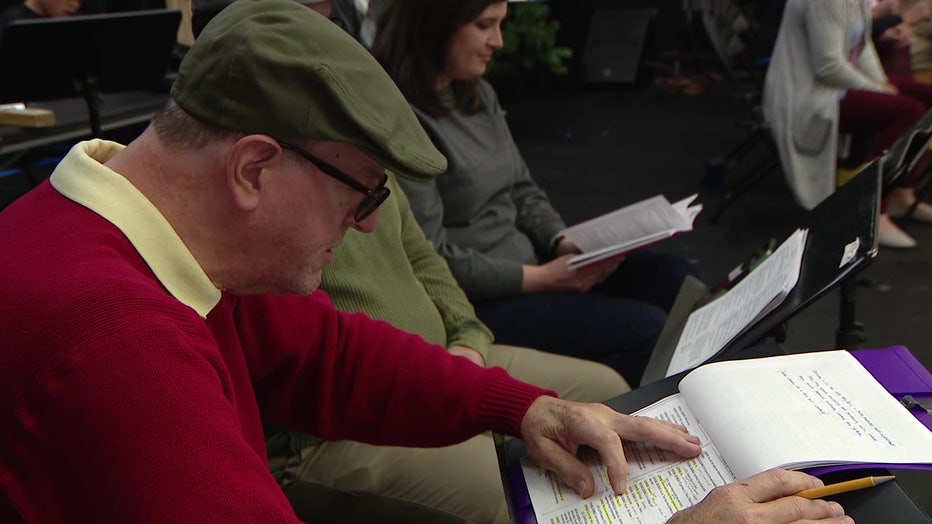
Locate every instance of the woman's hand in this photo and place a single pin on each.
(917, 13)
(898, 36)
(884, 8)
(555, 277)
(566, 247)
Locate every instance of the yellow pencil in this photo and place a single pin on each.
(843, 487)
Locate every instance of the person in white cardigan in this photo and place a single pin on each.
(824, 79)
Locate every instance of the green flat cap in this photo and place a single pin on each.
(277, 68)
(220, 4)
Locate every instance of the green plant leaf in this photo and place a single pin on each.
(529, 43)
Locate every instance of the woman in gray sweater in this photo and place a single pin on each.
(494, 225)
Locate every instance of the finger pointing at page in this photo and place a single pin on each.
(554, 429)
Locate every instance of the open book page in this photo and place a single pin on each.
(630, 227)
(711, 327)
(659, 483)
(800, 411)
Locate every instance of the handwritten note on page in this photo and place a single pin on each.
(802, 411)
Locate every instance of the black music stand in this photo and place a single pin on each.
(847, 214)
(56, 58)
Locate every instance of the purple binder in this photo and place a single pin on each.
(894, 367)
(900, 373)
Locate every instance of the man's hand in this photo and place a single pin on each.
(462, 351)
(553, 429)
(765, 497)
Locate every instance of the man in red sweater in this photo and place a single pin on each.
(158, 303)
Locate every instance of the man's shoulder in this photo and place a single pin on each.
(71, 274)
(76, 323)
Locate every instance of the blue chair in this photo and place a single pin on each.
(14, 183)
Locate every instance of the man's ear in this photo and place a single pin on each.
(250, 162)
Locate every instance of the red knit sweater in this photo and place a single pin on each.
(121, 404)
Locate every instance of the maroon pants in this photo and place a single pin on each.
(876, 120)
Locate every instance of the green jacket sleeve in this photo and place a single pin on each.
(459, 318)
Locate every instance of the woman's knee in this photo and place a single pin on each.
(907, 109)
(651, 320)
(657, 277)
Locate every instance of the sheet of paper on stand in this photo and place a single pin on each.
(711, 327)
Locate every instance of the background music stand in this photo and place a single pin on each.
(55, 58)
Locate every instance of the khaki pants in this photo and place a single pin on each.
(462, 482)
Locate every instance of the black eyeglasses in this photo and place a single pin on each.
(374, 197)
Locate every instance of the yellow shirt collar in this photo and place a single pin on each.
(82, 177)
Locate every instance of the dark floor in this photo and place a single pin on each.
(597, 148)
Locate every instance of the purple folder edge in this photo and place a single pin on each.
(900, 373)
(520, 496)
(897, 370)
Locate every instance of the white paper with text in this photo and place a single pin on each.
(709, 328)
(659, 482)
(802, 411)
(630, 227)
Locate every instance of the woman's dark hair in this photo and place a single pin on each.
(411, 42)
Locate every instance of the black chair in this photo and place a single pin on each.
(755, 156)
(902, 157)
(733, 166)
(14, 183)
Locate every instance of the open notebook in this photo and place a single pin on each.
(802, 411)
